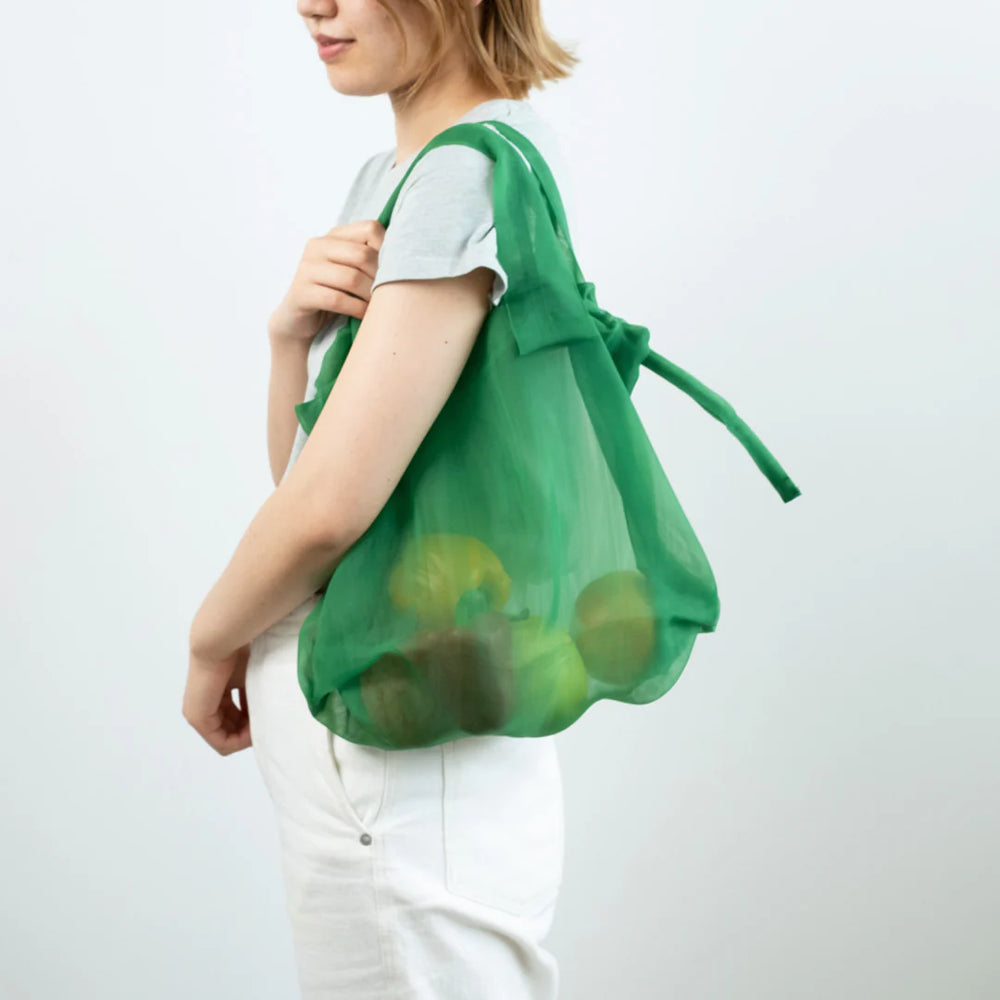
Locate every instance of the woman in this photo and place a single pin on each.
(432, 872)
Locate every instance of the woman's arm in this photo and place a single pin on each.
(405, 360)
(334, 276)
(289, 360)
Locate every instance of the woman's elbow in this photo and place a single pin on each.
(318, 518)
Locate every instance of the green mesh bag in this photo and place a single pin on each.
(533, 558)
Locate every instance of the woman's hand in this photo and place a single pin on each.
(209, 705)
(335, 275)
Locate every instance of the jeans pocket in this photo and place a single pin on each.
(358, 775)
(503, 821)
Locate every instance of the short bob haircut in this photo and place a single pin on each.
(510, 50)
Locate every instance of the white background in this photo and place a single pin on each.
(801, 202)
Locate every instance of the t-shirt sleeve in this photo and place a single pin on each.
(442, 223)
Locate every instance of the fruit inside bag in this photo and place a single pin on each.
(533, 559)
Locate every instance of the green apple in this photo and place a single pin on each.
(551, 681)
(614, 626)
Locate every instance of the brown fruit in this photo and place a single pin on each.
(469, 668)
(401, 704)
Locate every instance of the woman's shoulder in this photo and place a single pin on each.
(452, 176)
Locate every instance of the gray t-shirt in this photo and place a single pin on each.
(442, 222)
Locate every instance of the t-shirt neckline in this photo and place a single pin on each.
(473, 114)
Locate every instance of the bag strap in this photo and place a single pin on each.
(710, 401)
(542, 303)
(540, 168)
(627, 342)
(542, 300)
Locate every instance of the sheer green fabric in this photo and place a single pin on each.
(533, 559)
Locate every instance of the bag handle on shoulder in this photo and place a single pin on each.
(543, 297)
(574, 301)
(551, 190)
(629, 342)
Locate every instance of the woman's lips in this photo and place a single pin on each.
(329, 48)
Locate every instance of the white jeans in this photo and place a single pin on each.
(422, 874)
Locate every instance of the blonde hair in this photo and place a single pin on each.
(510, 51)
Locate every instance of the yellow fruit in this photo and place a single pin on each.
(550, 678)
(433, 573)
(614, 626)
